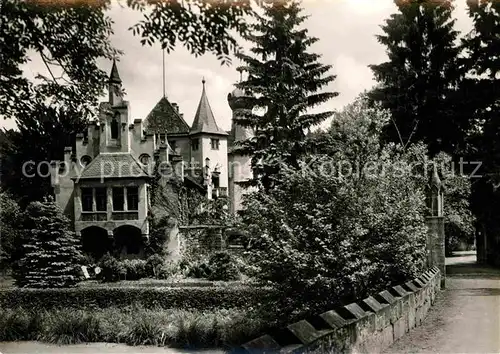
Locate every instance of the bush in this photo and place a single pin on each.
(223, 267)
(198, 297)
(153, 264)
(327, 234)
(111, 269)
(198, 269)
(167, 270)
(135, 269)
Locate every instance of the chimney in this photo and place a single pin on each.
(176, 107)
(138, 128)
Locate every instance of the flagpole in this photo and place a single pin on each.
(163, 78)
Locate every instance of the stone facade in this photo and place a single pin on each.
(104, 184)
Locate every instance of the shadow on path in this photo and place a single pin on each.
(465, 317)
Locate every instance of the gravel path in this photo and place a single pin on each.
(466, 316)
(91, 348)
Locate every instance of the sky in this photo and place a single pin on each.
(346, 30)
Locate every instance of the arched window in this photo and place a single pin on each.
(114, 129)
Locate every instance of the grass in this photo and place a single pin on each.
(132, 325)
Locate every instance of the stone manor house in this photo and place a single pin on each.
(107, 189)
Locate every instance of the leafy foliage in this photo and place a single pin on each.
(329, 234)
(51, 252)
(222, 267)
(201, 26)
(459, 220)
(10, 218)
(285, 80)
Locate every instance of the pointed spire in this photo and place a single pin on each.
(204, 121)
(114, 77)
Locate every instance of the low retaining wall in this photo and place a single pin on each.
(367, 326)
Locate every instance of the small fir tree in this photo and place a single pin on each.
(51, 252)
(284, 80)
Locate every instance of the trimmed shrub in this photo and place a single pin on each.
(173, 297)
(223, 266)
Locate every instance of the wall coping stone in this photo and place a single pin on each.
(357, 327)
(356, 310)
(333, 319)
(372, 304)
(398, 289)
(386, 297)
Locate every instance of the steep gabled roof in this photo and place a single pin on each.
(113, 165)
(164, 118)
(204, 121)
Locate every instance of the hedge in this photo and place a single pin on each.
(181, 298)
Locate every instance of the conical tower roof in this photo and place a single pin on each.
(114, 77)
(204, 121)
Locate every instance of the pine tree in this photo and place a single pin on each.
(51, 252)
(418, 84)
(284, 79)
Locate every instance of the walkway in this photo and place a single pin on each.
(466, 316)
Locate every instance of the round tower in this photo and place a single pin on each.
(240, 168)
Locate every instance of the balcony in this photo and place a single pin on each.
(94, 216)
(125, 215)
(103, 215)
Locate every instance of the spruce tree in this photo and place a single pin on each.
(418, 84)
(284, 79)
(481, 48)
(51, 252)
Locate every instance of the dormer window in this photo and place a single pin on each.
(114, 129)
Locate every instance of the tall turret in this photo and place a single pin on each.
(240, 169)
(115, 87)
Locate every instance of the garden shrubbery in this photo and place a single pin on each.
(327, 235)
(199, 297)
(131, 325)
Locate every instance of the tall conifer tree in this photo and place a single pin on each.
(418, 83)
(481, 47)
(285, 80)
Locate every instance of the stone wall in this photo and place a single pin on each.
(367, 326)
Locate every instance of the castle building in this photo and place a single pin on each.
(104, 184)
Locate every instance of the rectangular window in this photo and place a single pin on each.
(215, 144)
(133, 198)
(195, 144)
(118, 199)
(87, 199)
(101, 199)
